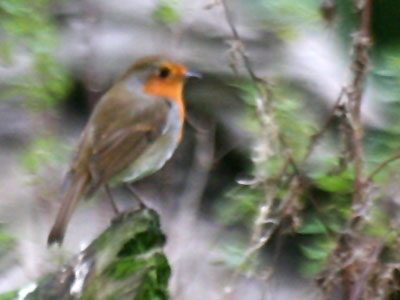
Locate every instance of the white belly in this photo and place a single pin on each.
(159, 152)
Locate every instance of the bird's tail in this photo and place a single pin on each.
(74, 190)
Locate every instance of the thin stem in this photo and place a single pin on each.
(272, 135)
(381, 166)
(241, 47)
(361, 46)
(316, 136)
(358, 287)
(111, 199)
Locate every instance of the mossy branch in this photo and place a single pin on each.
(125, 262)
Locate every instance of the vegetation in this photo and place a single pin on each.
(125, 262)
(333, 204)
(324, 180)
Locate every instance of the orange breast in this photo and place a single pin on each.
(171, 89)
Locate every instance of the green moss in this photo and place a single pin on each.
(126, 263)
(125, 267)
(155, 282)
(141, 243)
(132, 262)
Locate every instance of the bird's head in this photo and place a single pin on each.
(158, 76)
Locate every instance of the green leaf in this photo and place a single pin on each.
(240, 206)
(341, 183)
(167, 12)
(312, 225)
(318, 249)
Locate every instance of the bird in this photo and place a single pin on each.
(132, 132)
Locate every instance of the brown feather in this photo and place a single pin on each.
(70, 201)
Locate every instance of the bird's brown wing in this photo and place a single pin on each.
(113, 154)
(122, 127)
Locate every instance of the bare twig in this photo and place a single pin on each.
(240, 47)
(319, 134)
(260, 237)
(267, 220)
(264, 112)
(381, 166)
(361, 45)
(359, 285)
(260, 84)
(350, 271)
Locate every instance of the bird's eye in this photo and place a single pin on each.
(164, 72)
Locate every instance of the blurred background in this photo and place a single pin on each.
(58, 57)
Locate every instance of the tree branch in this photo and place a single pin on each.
(125, 262)
(361, 45)
(381, 166)
(319, 134)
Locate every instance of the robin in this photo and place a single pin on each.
(133, 130)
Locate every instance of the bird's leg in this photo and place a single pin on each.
(137, 196)
(111, 198)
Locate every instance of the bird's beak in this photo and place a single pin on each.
(192, 74)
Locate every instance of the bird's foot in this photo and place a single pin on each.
(137, 196)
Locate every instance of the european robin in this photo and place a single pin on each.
(133, 130)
